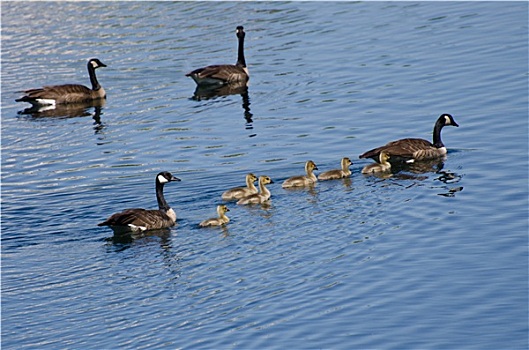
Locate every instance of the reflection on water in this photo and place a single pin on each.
(413, 171)
(68, 111)
(211, 92)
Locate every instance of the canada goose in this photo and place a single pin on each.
(221, 74)
(382, 166)
(69, 93)
(262, 196)
(221, 220)
(303, 180)
(139, 220)
(240, 192)
(412, 149)
(337, 173)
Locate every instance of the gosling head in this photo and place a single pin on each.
(251, 177)
(346, 162)
(265, 180)
(222, 209)
(310, 166)
(384, 157)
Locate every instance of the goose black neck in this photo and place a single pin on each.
(93, 79)
(437, 134)
(240, 55)
(162, 204)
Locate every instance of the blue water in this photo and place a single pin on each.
(432, 258)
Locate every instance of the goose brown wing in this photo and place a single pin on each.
(225, 72)
(404, 148)
(151, 219)
(61, 93)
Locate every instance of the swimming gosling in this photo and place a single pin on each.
(303, 180)
(338, 173)
(382, 167)
(241, 192)
(221, 220)
(261, 197)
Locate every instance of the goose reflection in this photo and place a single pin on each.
(125, 240)
(203, 93)
(407, 171)
(416, 171)
(68, 111)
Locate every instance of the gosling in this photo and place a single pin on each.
(337, 173)
(383, 167)
(241, 192)
(303, 180)
(261, 197)
(221, 220)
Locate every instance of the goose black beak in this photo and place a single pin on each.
(175, 179)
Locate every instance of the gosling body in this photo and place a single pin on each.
(414, 149)
(383, 166)
(261, 197)
(221, 74)
(69, 93)
(138, 219)
(303, 180)
(241, 192)
(220, 220)
(337, 173)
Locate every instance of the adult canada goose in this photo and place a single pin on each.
(221, 74)
(303, 180)
(382, 166)
(139, 220)
(262, 196)
(221, 220)
(337, 173)
(412, 149)
(69, 93)
(240, 192)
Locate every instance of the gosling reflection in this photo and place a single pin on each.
(203, 93)
(68, 111)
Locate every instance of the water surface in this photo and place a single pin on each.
(433, 258)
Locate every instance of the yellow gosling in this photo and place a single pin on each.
(221, 220)
(303, 180)
(383, 166)
(261, 197)
(337, 173)
(241, 192)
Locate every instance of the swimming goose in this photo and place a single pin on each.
(337, 173)
(412, 149)
(382, 166)
(221, 74)
(139, 220)
(221, 220)
(304, 180)
(69, 93)
(240, 192)
(262, 196)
